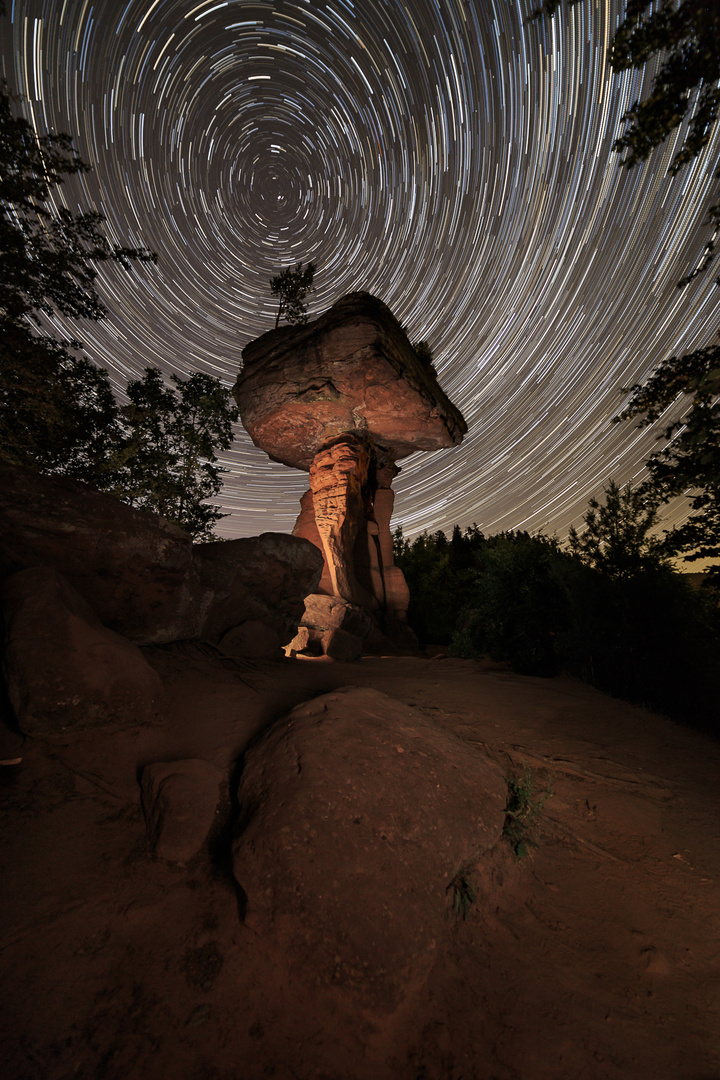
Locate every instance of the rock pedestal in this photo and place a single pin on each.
(345, 397)
(340, 490)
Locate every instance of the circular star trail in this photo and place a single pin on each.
(441, 154)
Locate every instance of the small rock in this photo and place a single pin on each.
(299, 643)
(179, 800)
(339, 645)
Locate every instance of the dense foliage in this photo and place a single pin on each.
(165, 457)
(631, 627)
(58, 413)
(690, 463)
(57, 410)
(618, 537)
(685, 35)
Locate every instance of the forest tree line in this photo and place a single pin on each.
(608, 607)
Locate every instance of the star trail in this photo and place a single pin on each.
(437, 153)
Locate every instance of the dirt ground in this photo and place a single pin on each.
(597, 957)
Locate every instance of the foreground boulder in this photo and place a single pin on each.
(144, 577)
(64, 669)
(357, 814)
(179, 800)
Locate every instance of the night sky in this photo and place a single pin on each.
(437, 153)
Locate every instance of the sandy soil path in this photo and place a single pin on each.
(599, 957)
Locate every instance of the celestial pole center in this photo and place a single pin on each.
(440, 154)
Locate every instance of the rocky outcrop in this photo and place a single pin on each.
(64, 669)
(260, 578)
(333, 613)
(179, 800)
(135, 569)
(346, 397)
(358, 815)
(331, 626)
(142, 576)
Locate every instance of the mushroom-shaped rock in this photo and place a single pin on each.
(345, 397)
(353, 370)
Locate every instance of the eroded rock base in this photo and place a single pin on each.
(346, 514)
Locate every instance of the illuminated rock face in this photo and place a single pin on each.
(345, 397)
(351, 370)
(348, 862)
(340, 490)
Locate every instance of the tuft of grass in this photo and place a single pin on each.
(463, 893)
(522, 812)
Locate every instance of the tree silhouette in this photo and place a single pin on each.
(291, 287)
(58, 413)
(685, 35)
(618, 536)
(165, 460)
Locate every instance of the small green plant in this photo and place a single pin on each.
(522, 812)
(424, 353)
(463, 893)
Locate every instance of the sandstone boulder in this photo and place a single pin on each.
(262, 578)
(333, 613)
(357, 814)
(339, 645)
(64, 669)
(179, 800)
(142, 576)
(134, 568)
(333, 627)
(353, 370)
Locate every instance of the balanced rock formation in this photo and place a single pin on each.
(358, 818)
(346, 397)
